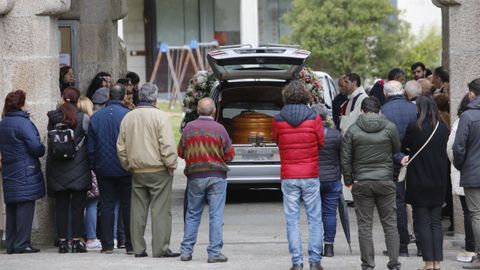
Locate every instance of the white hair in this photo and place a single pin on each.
(413, 89)
(148, 92)
(321, 109)
(393, 88)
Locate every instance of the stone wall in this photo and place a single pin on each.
(461, 39)
(99, 47)
(29, 61)
(29, 39)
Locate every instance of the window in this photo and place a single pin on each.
(227, 22)
(271, 27)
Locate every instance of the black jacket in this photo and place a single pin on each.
(466, 148)
(336, 112)
(427, 174)
(329, 156)
(72, 174)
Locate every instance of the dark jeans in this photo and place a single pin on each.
(111, 189)
(467, 221)
(402, 221)
(330, 192)
(428, 220)
(76, 201)
(19, 225)
(367, 195)
(120, 226)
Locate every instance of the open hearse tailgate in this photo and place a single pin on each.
(255, 63)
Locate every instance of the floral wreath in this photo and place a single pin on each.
(312, 83)
(198, 87)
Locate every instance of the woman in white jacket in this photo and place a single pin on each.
(469, 254)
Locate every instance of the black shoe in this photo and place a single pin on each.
(78, 247)
(403, 252)
(185, 258)
(28, 249)
(170, 254)
(63, 246)
(218, 259)
(129, 252)
(121, 245)
(316, 266)
(106, 250)
(328, 250)
(297, 266)
(141, 255)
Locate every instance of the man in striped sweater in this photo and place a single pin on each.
(206, 147)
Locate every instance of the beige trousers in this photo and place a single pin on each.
(151, 190)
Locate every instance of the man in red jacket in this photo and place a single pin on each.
(298, 132)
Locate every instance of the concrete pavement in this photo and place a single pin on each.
(254, 236)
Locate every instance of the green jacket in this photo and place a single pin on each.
(367, 149)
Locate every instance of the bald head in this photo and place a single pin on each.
(426, 85)
(117, 92)
(393, 88)
(413, 89)
(206, 107)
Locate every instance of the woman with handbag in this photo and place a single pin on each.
(427, 176)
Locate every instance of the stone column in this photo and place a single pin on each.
(460, 53)
(29, 61)
(99, 47)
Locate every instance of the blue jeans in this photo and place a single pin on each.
(200, 191)
(330, 192)
(308, 190)
(90, 219)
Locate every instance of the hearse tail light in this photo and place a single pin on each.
(302, 52)
(217, 53)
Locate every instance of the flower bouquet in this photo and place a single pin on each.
(198, 87)
(312, 83)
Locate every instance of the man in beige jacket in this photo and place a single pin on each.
(146, 147)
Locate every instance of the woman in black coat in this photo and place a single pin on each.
(427, 177)
(69, 179)
(23, 184)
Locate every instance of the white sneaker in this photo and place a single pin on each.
(466, 257)
(93, 244)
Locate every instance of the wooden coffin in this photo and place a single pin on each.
(251, 127)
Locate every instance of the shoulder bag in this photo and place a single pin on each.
(403, 171)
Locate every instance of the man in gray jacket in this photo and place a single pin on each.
(466, 158)
(367, 168)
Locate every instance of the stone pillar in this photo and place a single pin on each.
(29, 61)
(99, 48)
(460, 53)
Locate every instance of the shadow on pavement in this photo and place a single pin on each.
(237, 194)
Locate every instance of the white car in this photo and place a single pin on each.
(330, 90)
(251, 81)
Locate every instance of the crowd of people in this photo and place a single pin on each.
(111, 154)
